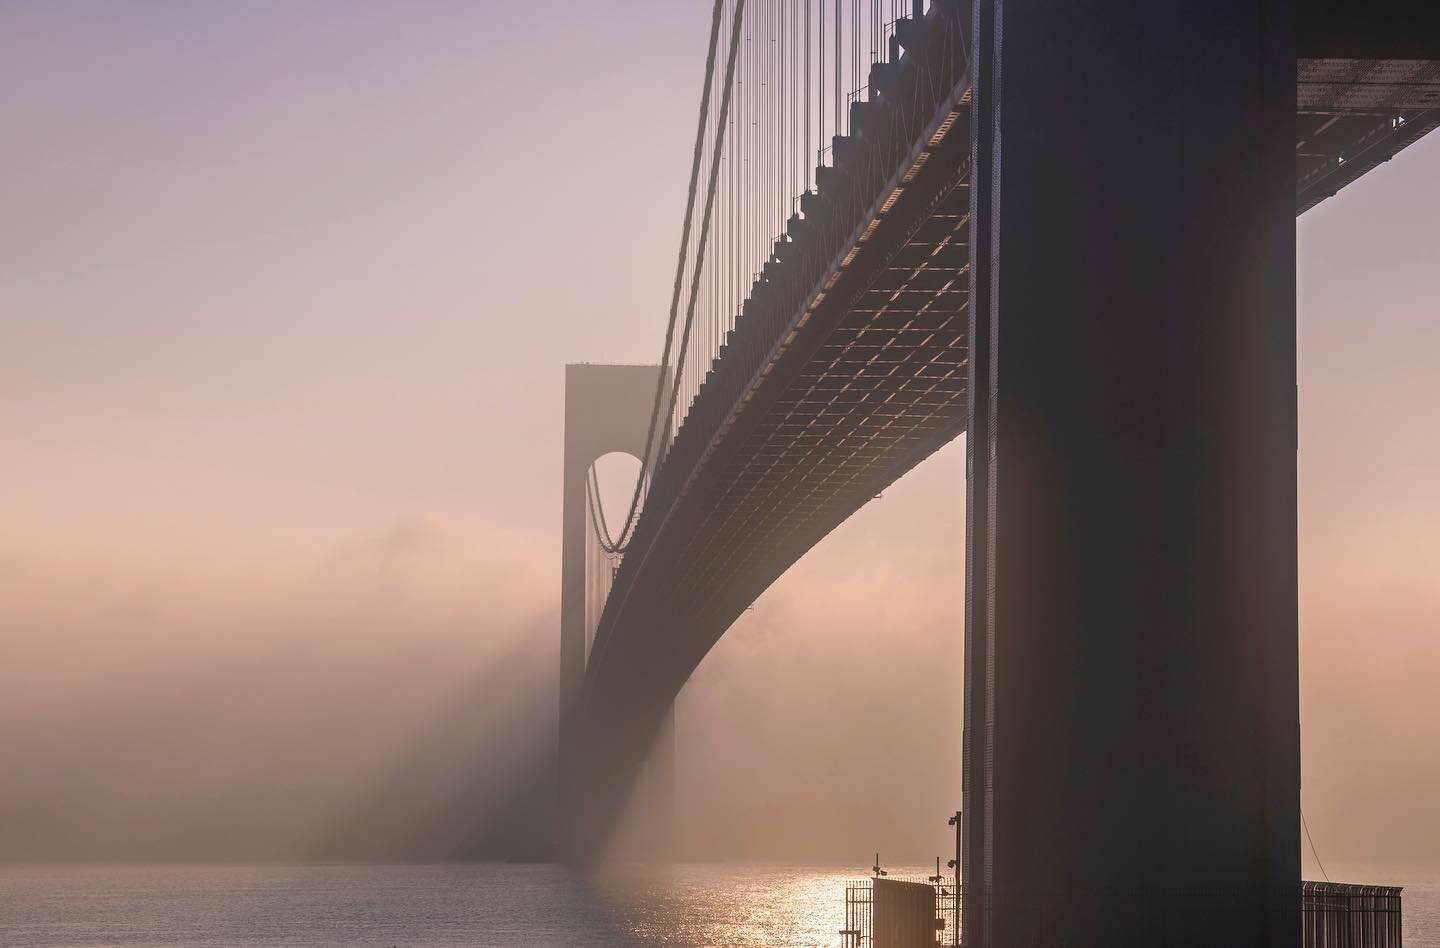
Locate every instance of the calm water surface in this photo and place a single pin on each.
(476, 904)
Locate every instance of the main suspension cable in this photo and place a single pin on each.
(709, 205)
(679, 271)
(617, 545)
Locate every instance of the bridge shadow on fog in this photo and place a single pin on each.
(467, 785)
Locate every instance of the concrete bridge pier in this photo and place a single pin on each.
(607, 409)
(1132, 753)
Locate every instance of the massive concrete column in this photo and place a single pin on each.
(607, 408)
(1132, 753)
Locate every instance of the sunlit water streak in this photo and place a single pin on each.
(447, 905)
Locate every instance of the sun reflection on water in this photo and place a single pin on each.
(700, 904)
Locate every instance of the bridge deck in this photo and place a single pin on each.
(848, 367)
(846, 370)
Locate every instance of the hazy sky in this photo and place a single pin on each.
(286, 292)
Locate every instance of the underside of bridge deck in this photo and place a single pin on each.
(1369, 86)
(884, 386)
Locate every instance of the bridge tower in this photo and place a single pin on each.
(607, 410)
(1133, 754)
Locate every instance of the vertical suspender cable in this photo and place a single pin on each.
(839, 82)
(805, 150)
(744, 203)
(854, 51)
(798, 102)
(820, 82)
(731, 279)
(805, 157)
(767, 132)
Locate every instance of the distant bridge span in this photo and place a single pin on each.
(848, 358)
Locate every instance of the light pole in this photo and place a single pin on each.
(955, 864)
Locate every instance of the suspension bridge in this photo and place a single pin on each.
(1066, 229)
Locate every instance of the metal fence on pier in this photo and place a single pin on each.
(860, 929)
(1332, 914)
(1337, 915)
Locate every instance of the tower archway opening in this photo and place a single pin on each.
(614, 479)
(610, 488)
